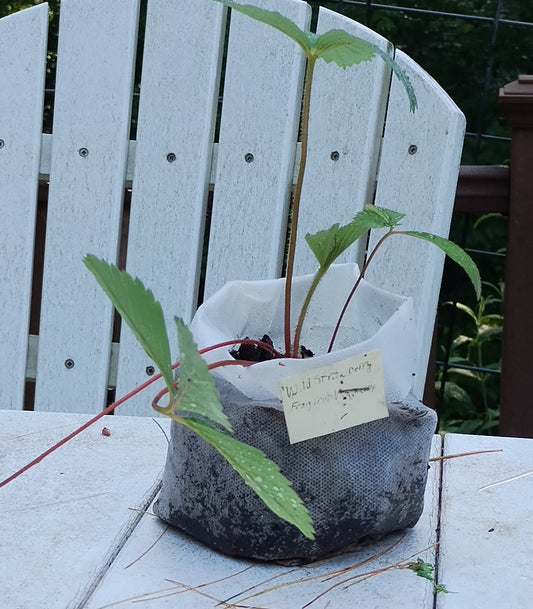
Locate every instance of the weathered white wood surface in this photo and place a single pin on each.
(65, 522)
(96, 57)
(59, 551)
(62, 522)
(178, 571)
(22, 63)
(487, 524)
(176, 117)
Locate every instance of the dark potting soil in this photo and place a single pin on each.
(256, 353)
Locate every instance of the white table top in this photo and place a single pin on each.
(76, 531)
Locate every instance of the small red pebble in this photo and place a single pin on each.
(106, 432)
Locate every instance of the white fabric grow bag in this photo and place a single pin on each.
(375, 319)
(358, 483)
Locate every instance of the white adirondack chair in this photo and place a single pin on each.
(365, 144)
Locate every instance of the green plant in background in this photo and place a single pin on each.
(471, 393)
(470, 332)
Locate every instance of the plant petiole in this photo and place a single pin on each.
(303, 312)
(296, 205)
(356, 285)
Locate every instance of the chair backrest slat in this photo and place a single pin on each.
(347, 112)
(177, 112)
(96, 57)
(260, 118)
(417, 176)
(23, 62)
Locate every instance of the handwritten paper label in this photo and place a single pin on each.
(341, 395)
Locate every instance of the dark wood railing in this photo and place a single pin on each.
(482, 189)
(516, 407)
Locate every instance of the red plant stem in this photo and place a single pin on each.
(53, 448)
(219, 364)
(230, 362)
(293, 349)
(135, 391)
(352, 292)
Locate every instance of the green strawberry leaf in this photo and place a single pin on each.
(139, 309)
(335, 46)
(377, 217)
(401, 75)
(327, 245)
(346, 50)
(196, 392)
(323, 243)
(456, 253)
(261, 474)
(339, 47)
(275, 20)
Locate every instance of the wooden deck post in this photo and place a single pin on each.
(516, 416)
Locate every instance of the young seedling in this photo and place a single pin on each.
(328, 245)
(345, 50)
(426, 570)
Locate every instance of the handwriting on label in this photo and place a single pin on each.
(334, 397)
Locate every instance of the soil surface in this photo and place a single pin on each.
(256, 353)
